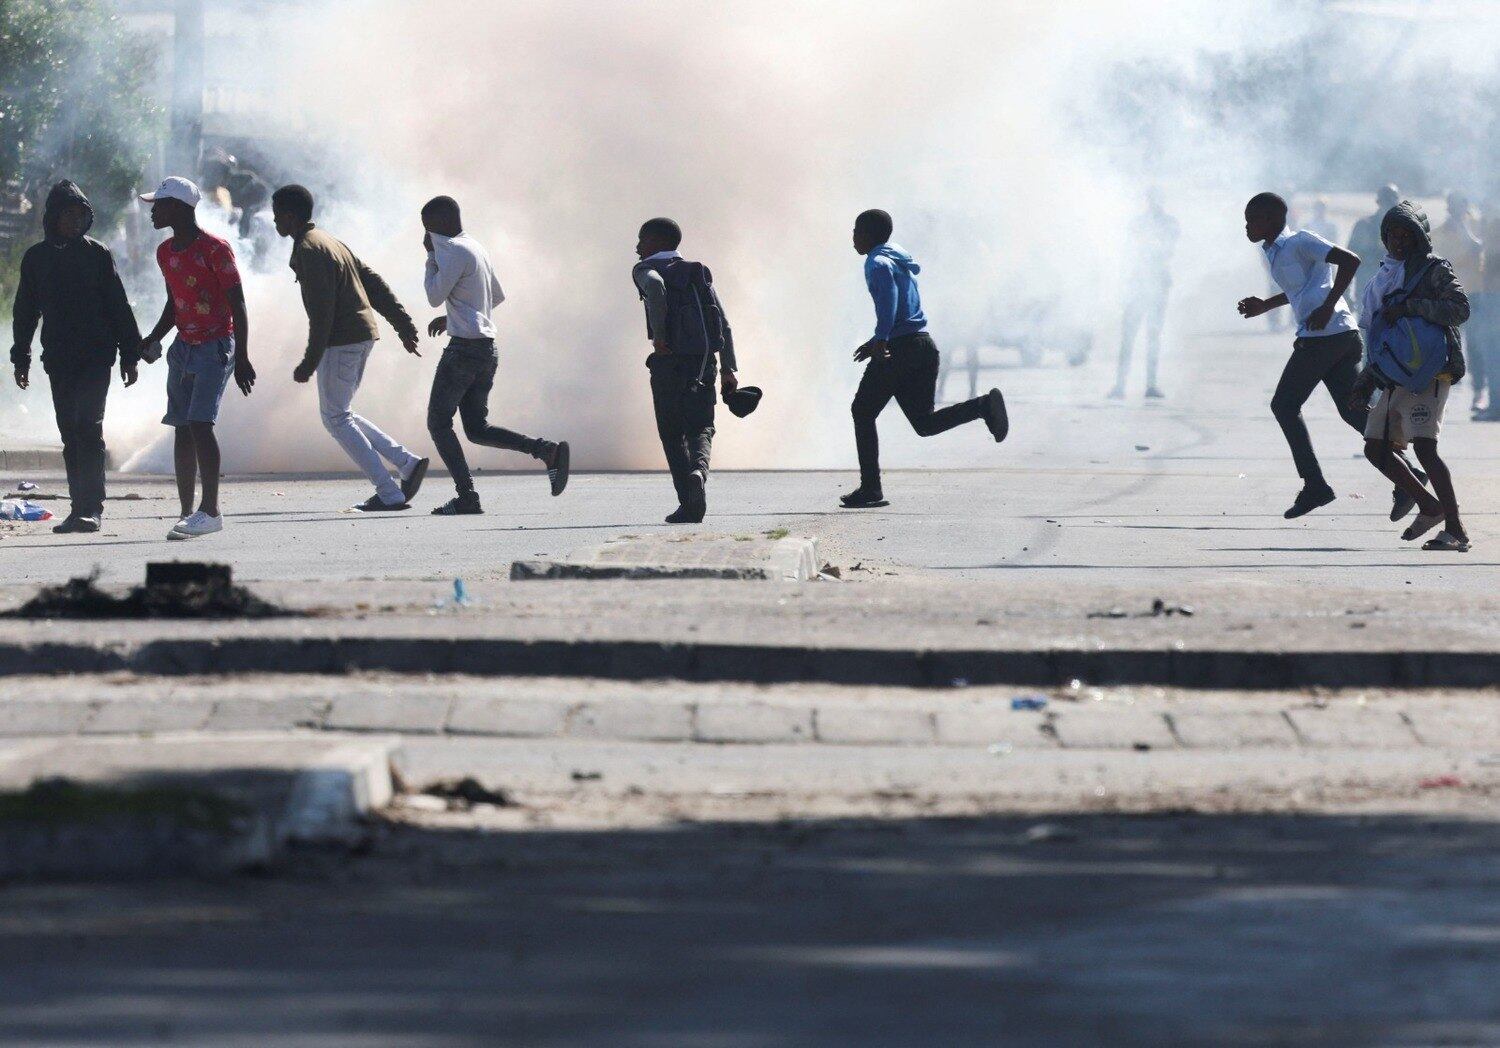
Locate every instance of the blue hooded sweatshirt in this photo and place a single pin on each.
(891, 276)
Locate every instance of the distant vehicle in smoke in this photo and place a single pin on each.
(1036, 331)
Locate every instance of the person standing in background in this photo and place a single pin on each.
(70, 286)
(1456, 241)
(1364, 238)
(342, 295)
(1150, 241)
(460, 278)
(1320, 223)
(206, 304)
(1484, 323)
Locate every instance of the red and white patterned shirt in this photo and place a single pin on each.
(199, 278)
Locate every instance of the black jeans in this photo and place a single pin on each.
(909, 375)
(462, 384)
(78, 395)
(682, 393)
(1332, 360)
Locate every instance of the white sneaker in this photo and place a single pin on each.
(199, 523)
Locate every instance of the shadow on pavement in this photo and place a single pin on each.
(1099, 930)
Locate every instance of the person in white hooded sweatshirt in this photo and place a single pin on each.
(460, 278)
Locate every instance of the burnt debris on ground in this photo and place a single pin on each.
(173, 590)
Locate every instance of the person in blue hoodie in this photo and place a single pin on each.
(903, 361)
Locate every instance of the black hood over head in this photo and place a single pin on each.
(62, 195)
(1414, 219)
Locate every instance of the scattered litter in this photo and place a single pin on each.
(1050, 833)
(26, 485)
(1441, 782)
(278, 494)
(460, 593)
(1159, 608)
(999, 749)
(22, 509)
(858, 566)
(1353, 495)
(1490, 760)
(833, 571)
(587, 776)
(174, 590)
(960, 682)
(1242, 476)
(1075, 685)
(1029, 702)
(1143, 447)
(1141, 747)
(465, 793)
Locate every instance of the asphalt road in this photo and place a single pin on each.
(1086, 490)
(1139, 931)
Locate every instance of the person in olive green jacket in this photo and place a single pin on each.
(342, 296)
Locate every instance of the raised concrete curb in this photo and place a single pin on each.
(306, 788)
(744, 558)
(20, 460)
(756, 663)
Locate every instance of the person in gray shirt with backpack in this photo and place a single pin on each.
(690, 341)
(1412, 309)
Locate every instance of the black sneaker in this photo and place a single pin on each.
(374, 504)
(859, 498)
(679, 516)
(1309, 499)
(557, 467)
(695, 497)
(465, 505)
(995, 416)
(1155, 393)
(88, 525)
(412, 484)
(68, 526)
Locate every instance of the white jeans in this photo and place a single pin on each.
(339, 374)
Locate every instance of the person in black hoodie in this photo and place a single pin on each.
(69, 284)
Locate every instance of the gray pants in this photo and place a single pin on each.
(339, 374)
(1145, 309)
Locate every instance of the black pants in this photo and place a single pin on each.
(909, 375)
(465, 375)
(682, 393)
(1332, 360)
(78, 395)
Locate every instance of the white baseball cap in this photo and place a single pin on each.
(175, 188)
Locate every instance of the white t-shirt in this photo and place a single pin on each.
(1299, 266)
(459, 275)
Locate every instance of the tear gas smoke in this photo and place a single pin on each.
(1012, 142)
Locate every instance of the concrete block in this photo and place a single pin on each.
(860, 725)
(133, 716)
(1233, 729)
(403, 712)
(285, 714)
(754, 722)
(497, 715)
(1111, 726)
(1457, 724)
(1353, 727)
(988, 723)
(43, 716)
(633, 718)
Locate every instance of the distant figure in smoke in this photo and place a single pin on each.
(1151, 239)
(1320, 223)
(1364, 238)
(342, 295)
(1414, 282)
(69, 284)
(206, 304)
(1484, 325)
(1313, 276)
(1456, 241)
(903, 360)
(460, 277)
(690, 338)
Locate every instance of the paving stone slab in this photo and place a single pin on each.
(754, 722)
(143, 715)
(500, 715)
(1112, 726)
(1231, 730)
(755, 557)
(407, 711)
(1353, 727)
(860, 725)
(633, 718)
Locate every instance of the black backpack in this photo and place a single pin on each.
(695, 320)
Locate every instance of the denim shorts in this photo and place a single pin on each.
(196, 379)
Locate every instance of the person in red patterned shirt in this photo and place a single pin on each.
(206, 304)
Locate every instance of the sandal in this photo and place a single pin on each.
(1447, 542)
(1424, 523)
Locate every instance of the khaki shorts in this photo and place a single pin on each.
(1410, 416)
